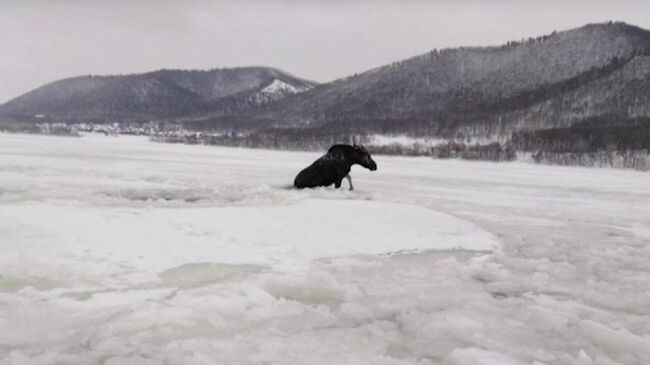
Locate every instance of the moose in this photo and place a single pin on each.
(335, 165)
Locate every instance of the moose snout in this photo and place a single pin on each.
(372, 165)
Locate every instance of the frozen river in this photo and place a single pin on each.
(116, 250)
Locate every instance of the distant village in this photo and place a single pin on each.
(75, 129)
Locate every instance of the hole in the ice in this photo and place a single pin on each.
(13, 193)
(221, 195)
(312, 289)
(199, 274)
(310, 296)
(398, 351)
(503, 295)
(165, 195)
(13, 284)
(286, 187)
(499, 295)
(83, 296)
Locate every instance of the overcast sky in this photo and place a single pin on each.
(42, 41)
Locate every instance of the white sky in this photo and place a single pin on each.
(42, 41)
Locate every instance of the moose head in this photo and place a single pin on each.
(362, 157)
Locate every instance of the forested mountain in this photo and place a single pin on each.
(551, 81)
(161, 95)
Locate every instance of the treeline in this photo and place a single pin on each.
(12, 126)
(494, 151)
(638, 160)
(582, 139)
(590, 144)
(267, 140)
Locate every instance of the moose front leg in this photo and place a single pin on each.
(349, 181)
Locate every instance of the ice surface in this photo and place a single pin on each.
(116, 251)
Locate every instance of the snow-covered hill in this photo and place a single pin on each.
(164, 94)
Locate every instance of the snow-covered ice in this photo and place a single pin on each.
(116, 250)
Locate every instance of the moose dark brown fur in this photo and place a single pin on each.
(335, 165)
